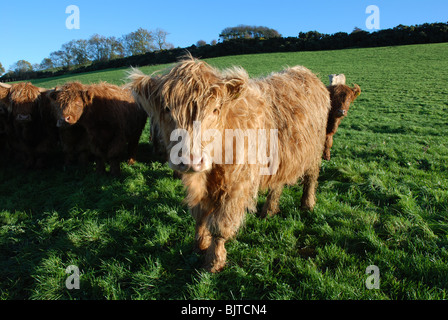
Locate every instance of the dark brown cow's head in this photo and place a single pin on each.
(342, 96)
(22, 101)
(69, 102)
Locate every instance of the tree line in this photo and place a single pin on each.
(97, 48)
(240, 41)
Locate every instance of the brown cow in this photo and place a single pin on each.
(108, 113)
(341, 97)
(31, 130)
(291, 105)
(4, 120)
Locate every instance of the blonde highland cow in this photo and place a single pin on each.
(292, 104)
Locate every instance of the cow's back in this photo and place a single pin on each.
(298, 104)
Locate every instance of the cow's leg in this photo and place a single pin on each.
(29, 159)
(115, 167)
(134, 140)
(40, 162)
(271, 207)
(216, 255)
(70, 158)
(83, 158)
(203, 237)
(117, 151)
(309, 188)
(328, 145)
(223, 225)
(100, 165)
(132, 150)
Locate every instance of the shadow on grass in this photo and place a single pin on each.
(80, 217)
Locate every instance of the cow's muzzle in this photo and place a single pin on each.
(342, 113)
(192, 164)
(24, 117)
(63, 122)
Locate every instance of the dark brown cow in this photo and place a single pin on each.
(31, 130)
(341, 97)
(108, 114)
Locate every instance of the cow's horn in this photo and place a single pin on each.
(5, 85)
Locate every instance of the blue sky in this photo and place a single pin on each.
(32, 29)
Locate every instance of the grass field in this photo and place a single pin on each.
(382, 200)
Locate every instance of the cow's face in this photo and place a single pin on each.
(69, 102)
(187, 144)
(22, 101)
(342, 96)
(22, 112)
(188, 103)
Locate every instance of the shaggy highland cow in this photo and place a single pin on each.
(31, 130)
(341, 97)
(109, 117)
(292, 104)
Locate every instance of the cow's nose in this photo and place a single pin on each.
(68, 119)
(197, 164)
(201, 163)
(342, 112)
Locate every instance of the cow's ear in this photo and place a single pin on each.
(235, 81)
(357, 91)
(234, 87)
(4, 95)
(141, 84)
(52, 94)
(87, 96)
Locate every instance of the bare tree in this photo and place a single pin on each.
(160, 39)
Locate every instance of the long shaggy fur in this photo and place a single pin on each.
(293, 101)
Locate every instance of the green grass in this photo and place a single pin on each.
(382, 200)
